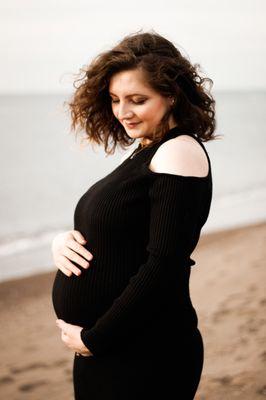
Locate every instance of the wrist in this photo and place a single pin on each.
(84, 349)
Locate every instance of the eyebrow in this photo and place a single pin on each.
(129, 95)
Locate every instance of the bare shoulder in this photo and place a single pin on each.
(182, 155)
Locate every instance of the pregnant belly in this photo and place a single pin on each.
(81, 300)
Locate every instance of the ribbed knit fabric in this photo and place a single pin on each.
(141, 227)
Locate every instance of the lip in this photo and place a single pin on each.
(132, 124)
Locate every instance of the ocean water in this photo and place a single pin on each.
(45, 170)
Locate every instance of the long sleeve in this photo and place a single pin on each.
(175, 204)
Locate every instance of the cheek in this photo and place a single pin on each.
(153, 112)
(114, 110)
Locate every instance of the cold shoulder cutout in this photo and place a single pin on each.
(175, 156)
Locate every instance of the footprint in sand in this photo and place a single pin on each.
(6, 379)
(61, 362)
(220, 313)
(263, 356)
(252, 325)
(58, 363)
(224, 380)
(262, 390)
(263, 302)
(68, 371)
(243, 340)
(27, 387)
(28, 367)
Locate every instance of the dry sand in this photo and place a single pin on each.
(227, 290)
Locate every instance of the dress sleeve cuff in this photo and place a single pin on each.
(94, 341)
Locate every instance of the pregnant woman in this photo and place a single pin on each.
(126, 313)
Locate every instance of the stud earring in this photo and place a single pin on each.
(173, 100)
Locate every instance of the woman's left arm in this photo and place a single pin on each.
(176, 203)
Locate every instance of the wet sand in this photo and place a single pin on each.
(227, 289)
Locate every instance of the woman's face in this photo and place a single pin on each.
(133, 101)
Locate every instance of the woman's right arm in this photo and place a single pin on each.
(67, 246)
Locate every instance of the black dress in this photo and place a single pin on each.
(133, 302)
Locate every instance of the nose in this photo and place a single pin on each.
(124, 112)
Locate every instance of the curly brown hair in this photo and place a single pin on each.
(166, 70)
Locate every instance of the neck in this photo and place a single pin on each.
(146, 141)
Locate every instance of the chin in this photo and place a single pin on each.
(134, 135)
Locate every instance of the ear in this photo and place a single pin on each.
(171, 101)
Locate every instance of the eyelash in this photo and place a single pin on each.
(134, 102)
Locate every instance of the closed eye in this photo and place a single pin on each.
(134, 102)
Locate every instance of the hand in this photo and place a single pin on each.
(70, 335)
(67, 246)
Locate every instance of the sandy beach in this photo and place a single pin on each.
(227, 289)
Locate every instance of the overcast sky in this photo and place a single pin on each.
(42, 43)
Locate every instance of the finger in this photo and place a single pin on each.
(64, 336)
(79, 249)
(71, 255)
(67, 264)
(62, 324)
(64, 269)
(78, 236)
